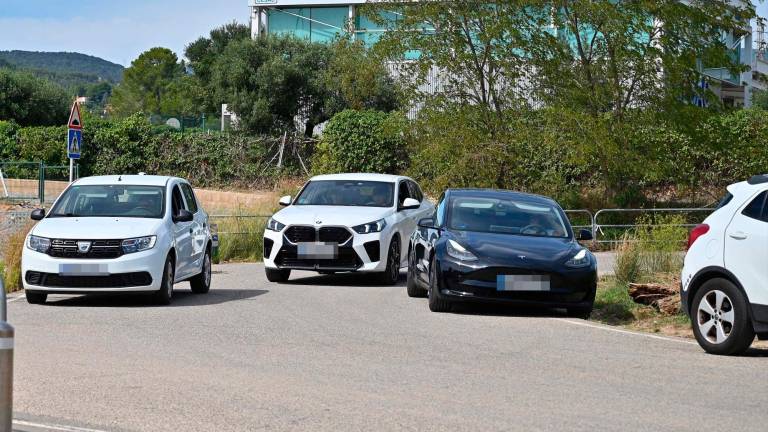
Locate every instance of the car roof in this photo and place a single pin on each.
(389, 178)
(499, 193)
(138, 180)
(751, 186)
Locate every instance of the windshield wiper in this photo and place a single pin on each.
(65, 215)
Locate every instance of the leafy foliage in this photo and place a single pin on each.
(362, 141)
(31, 101)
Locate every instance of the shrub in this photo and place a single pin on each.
(362, 141)
(654, 247)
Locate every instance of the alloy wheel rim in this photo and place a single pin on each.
(715, 316)
(394, 259)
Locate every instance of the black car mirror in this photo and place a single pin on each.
(183, 216)
(38, 214)
(585, 235)
(426, 223)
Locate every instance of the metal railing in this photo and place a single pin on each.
(599, 228)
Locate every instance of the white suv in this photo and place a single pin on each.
(345, 222)
(725, 276)
(119, 234)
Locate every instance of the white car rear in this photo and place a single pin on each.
(725, 276)
(345, 222)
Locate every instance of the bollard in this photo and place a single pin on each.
(6, 365)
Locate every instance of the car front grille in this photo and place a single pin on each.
(119, 280)
(346, 260)
(307, 234)
(100, 249)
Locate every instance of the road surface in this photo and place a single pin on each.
(333, 353)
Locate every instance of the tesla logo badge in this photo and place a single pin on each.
(83, 246)
(522, 257)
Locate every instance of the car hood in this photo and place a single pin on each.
(507, 249)
(96, 228)
(331, 215)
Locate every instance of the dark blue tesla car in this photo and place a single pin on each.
(501, 246)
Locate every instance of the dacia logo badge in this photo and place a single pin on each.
(83, 246)
(318, 222)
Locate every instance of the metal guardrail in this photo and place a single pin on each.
(598, 227)
(6, 363)
(584, 212)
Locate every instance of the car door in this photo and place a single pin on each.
(427, 239)
(182, 232)
(199, 228)
(746, 248)
(406, 218)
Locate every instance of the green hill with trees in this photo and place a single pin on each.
(63, 64)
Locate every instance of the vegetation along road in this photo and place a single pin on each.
(341, 353)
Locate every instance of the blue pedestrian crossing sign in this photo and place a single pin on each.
(75, 143)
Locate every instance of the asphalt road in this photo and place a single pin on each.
(341, 353)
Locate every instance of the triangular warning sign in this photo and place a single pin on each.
(75, 121)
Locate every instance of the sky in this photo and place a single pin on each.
(120, 30)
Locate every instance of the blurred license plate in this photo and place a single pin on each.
(83, 270)
(318, 250)
(522, 283)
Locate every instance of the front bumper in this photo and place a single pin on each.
(354, 255)
(568, 288)
(136, 272)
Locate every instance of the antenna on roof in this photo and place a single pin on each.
(120, 178)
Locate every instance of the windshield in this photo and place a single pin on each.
(506, 216)
(348, 193)
(111, 201)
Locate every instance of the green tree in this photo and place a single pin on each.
(31, 101)
(147, 82)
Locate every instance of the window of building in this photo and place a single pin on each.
(321, 24)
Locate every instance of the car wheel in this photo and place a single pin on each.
(164, 295)
(392, 273)
(436, 304)
(36, 297)
(720, 318)
(277, 275)
(201, 283)
(412, 287)
(580, 312)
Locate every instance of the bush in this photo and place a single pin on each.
(654, 247)
(362, 141)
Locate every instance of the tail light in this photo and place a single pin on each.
(697, 232)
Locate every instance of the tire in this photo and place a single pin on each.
(36, 297)
(392, 273)
(720, 318)
(201, 283)
(277, 275)
(436, 304)
(412, 286)
(165, 294)
(580, 312)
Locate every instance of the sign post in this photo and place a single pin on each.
(74, 137)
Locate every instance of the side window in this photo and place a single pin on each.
(189, 196)
(176, 200)
(440, 213)
(415, 191)
(757, 208)
(402, 193)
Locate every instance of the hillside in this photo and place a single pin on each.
(64, 66)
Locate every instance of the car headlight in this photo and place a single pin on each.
(581, 259)
(38, 244)
(460, 252)
(370, 227)
(274, 225)
(138, 244)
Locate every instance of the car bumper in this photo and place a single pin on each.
(573, 288)
(136, 272)
(363, 253)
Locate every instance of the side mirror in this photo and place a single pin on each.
(183, 216)
(37, 214)
(585, 235)
(426, 223)
(285, 201)
(410, 203)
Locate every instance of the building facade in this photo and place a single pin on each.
(323, 20)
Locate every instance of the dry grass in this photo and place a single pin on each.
(10, 254)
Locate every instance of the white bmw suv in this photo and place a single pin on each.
(345, 222)
(725, 276)
(130, 233)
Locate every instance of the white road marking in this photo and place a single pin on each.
(54, 427)
(616, 330)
